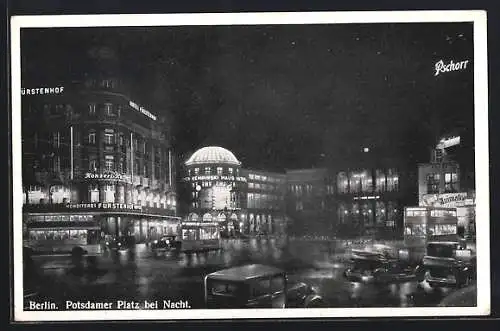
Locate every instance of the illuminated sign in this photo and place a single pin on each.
(104, 205)
(370, 197)
(199, 224)
(108, 176)
(448, 142)
(448, 200)
(142, 110)
(440, 66)
(216, 177)
(42, 90)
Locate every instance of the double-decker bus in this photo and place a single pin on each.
(58, 235)
(199, 236)
(427, 224)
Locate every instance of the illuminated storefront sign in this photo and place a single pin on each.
(108, 176)
(199, 223)
(370, 197)
(142, 110)
(42, 90)
(448, 200)
(104, 205)
(216, 177)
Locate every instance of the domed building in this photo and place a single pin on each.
(216, 189)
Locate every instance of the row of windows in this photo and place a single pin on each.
(432, 213)
(264, 201)
(210, 171)
(435, 230)
(450, 182)
(365, 181)
(267, 187)
(263, 178)
(59, 218)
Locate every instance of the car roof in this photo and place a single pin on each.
(443, 243)
(245, 272)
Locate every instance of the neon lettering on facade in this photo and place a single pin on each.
(142, 110)
(216, 177)
(104, 205)
(42, 90)
(108, 176)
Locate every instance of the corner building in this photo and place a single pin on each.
(94, 157)
(218, 189)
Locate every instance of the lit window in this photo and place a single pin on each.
(219, 171)
(93, 163)
(299, 205)
(92, 137)
(207, 170)
(108, 109)
(108, 136)
(230, 171)
(109, 164)
(57, 164)
(92, 108)
(196, 171)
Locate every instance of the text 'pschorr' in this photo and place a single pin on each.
(440, 66)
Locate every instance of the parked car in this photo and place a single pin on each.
(257, 286)
(377, 268)
(167, 243)
(448, 264)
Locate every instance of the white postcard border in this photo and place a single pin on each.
(478, 18)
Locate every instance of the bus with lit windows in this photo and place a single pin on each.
(427, 224)
(61, 234)
(199, 236)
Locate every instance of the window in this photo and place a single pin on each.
(207, 171)
(92, 137)
(433, 183)
(366, 181)
(250, 185)
(109, 193)
(94, 193)
(342, 182)
(56, 139)
(109, 164)
(392, 180)
(121, 139)
(91, 108)
(299, 205)
(196, 171)
(220, 288)
(261, 287)
(443, 229)
(57, 164)
(108, 136)
(230, 171)
(419, 213)
(277, 284)
(380, 185)
(92, 162)
(219, 171)
(450, 182)
(251, 176)
(108, 109)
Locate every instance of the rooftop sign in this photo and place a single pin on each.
(42, 90)
(142, 110)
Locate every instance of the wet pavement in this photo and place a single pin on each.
(142, 274)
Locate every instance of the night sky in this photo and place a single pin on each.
(283, 96)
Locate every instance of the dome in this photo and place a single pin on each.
(213, 155)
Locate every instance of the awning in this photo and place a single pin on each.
(63, 226)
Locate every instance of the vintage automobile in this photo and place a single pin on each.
(119, 243)
(166, 243)
(447, 264)
(257, 286)
(377, 268)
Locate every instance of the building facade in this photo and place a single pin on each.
(94, 155)
(448, 181)
(311, 201)
(217, 188)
